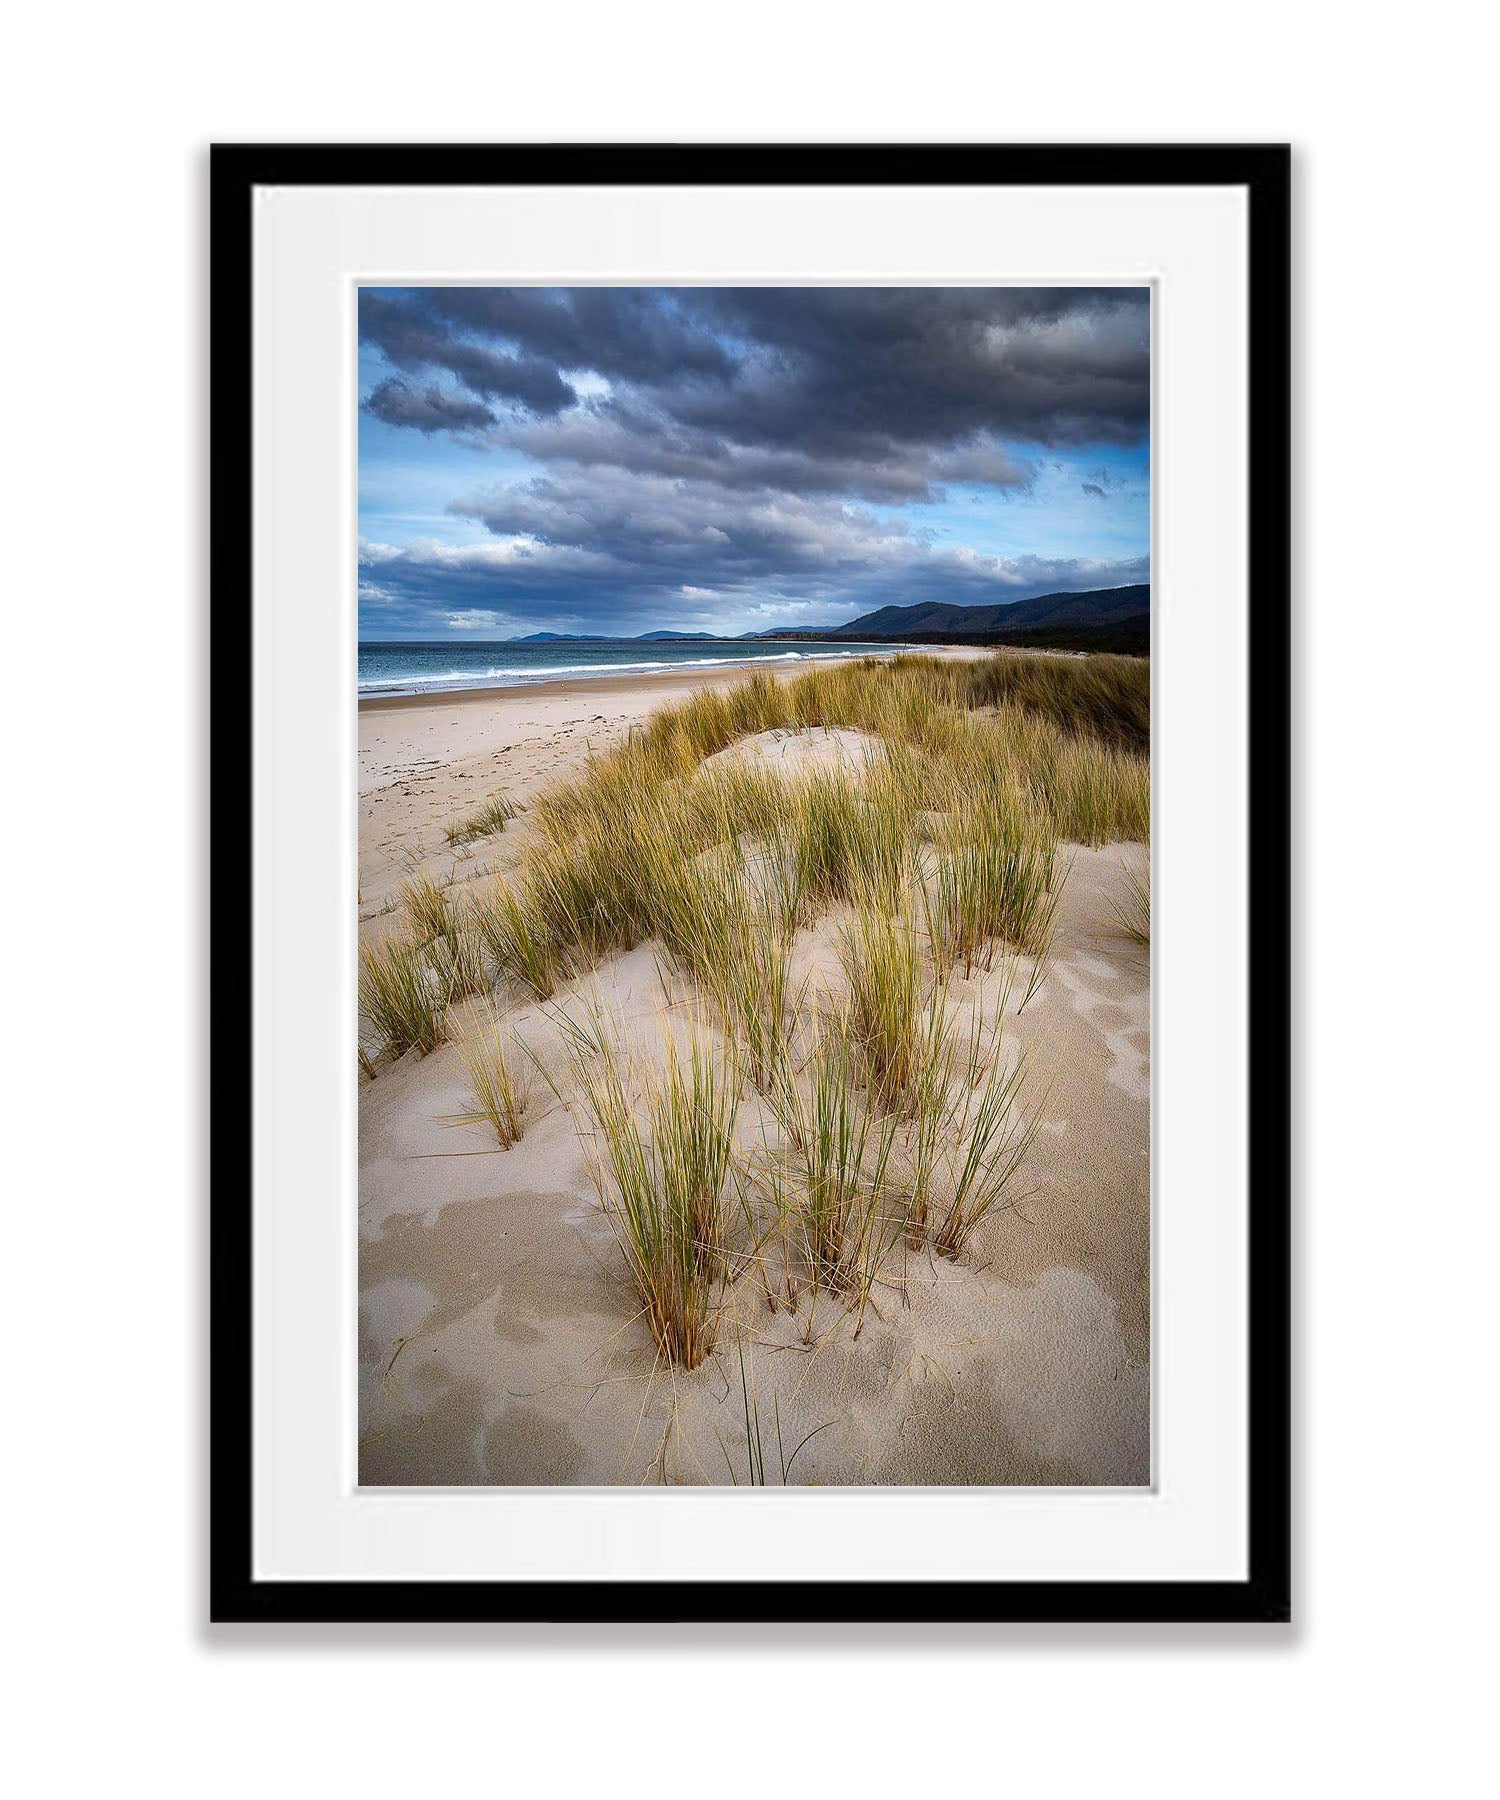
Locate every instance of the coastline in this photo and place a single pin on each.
(664, 680)
(572, 687)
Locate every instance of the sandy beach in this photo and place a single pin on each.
(500, 1340)
(425, 757)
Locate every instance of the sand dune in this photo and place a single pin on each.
(499, 1339)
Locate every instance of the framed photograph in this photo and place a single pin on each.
(751, 1063)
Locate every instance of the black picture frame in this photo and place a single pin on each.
(1263, 172)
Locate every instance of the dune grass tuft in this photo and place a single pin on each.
(457, 955)
(580, 890)
(948, 1065)
(1098, 795)
(729, 937)
(513, 927)
(995, 1129)
(752, 993)
(485, 821)
(839, 1152)
(995, 885)
(852, 838)
(883, 973)
(1132, 907)
(402, 997)
(425, 903)
(663, 1181)
(499, 1092)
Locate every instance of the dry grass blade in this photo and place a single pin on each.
(995, 1135)
(755, 1449)
(499, 1092)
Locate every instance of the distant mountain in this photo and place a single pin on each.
(1100, 608)
(1101, 618)
(595, 637)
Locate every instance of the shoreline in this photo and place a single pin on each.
(572, 687)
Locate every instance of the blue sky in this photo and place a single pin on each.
(616, 461)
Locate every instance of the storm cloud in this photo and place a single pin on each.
(429, 408)
(716, 459)
(409, 340)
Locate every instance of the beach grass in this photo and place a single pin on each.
(513, 926)
(994, 884)
(457, 954)
(930, 1107)
(663, 1173)
(718, 929)
(1058, 745)
(1104, 697)
(755, 1445)
(839, 1154)
(1098, 795)
(1132, 907)
(425, 904)
(854, 837)
(882, 1118)
(488, 820)
(753, 994)
(400, 994)
(994, 1127)
(883, 975)
(498, 1089)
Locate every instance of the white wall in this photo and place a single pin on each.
(1378, 1687)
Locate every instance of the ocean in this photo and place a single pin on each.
(445, 667)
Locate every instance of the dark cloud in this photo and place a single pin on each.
(838, 381)
(408, 336)
(637, 334)
(589, 437)
(622, 558)
(431, 408)
(851, 368)
(704, 456)
(700, 532)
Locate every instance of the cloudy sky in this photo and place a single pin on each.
(620, 460)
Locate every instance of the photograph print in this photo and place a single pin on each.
(754, 825)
